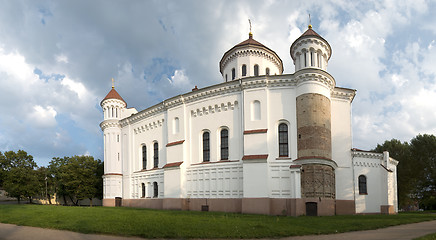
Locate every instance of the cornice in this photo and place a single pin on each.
(110, 123)
(314, 74)
(214, 109)
(149, 126)
(343, 93)
(367, 155)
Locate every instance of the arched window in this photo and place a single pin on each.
(156, 155)
(362, 185)
(144, 157)
(233, 74)
(312, 60)
(267, 71)
(283, 140)
(143, 190)
(244, 70)
(155, 190)
(256, 70)
(305, 59)
(255, 110)
(176, 125)
(224, 144)
(206, 147)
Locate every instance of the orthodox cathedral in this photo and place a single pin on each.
(260, 142)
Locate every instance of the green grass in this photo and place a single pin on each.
(184, 224)
(427, 237)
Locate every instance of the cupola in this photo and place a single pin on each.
(249, 58)
(113, 104)
(310, 50)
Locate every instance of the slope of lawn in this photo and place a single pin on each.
(185, 224)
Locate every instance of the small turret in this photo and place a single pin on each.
(310, 50)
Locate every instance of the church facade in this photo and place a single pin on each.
(259, 142)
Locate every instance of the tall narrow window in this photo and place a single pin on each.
(143, 190)
(305, 59)
(267, 71)
(206, 147)
(312, 60)
(155, 190)
(224, 144)
(226, 78)
(362, 185)
(283, 140)
(256, 70)
(144, 157)
(255, 110)
(156, 155)
(244, 70)
(233, 74)
(176, 125)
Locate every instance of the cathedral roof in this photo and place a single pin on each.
(113, 94)
(247, 43)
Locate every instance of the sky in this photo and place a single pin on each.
(57, 59)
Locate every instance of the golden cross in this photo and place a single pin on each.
(113, 86)
(250, 24)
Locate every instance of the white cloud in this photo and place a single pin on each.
(43, 116)
(61, 58)
(179, 78)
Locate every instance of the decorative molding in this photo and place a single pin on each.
(363, 154)
(213, 109)
(343, 93)
(171, 165)
(255, 157)
(316, 160)
(317, 75)
(113, 174)
(247, 132)
(149, 126)
(175, 143)
(221, 161)
(115, 123)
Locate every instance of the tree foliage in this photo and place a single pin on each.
(19, 177)
(416, 170)
(77, 177)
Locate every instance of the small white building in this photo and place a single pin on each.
(259, 142)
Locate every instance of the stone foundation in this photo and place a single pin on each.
(387, 209)
(268, 206)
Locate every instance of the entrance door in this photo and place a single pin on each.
(118, 202)
(311, 209)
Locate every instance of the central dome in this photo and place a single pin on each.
(249, 58)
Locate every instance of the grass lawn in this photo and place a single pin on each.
(185, 224)
(427, 237)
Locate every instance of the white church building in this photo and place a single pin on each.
(260, 142)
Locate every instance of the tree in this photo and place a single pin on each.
(19, 178)
(416, 170)
(423, 148)
(78, 177)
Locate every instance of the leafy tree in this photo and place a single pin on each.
(78, 177)
(423, 148)
(19, 177)
(416, 170)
